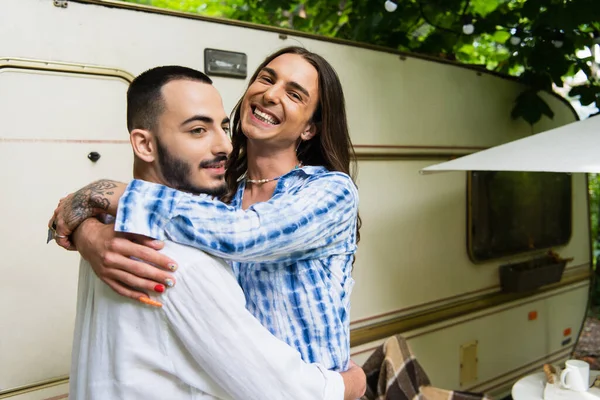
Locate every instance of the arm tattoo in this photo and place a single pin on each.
(86, 202)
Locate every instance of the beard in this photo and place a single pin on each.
(177, 173)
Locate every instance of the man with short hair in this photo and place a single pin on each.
(202, 343)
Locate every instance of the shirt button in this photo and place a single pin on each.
(287, 184)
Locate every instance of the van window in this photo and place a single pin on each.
(516, 212)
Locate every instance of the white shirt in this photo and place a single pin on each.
(202, 344)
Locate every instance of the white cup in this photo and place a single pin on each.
(576, 375)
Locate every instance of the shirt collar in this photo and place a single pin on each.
(307, 170)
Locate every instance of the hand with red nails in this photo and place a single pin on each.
(123, 261)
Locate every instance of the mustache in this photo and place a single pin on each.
(216, 160)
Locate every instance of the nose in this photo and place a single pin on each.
(222, 144)
(272, 94)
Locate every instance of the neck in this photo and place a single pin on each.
(146, 173)
(270, 163)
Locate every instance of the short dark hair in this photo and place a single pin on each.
(144, 98)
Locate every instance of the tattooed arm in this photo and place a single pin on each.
(122, 261)
(100, 197)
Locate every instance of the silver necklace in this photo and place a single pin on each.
(262, 181)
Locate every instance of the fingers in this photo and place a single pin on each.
(123, 290)
(59, 226)
(355, 382)
(122, 264)
(135, 274)
(119, 256)
(144, 241)
(149, 301)
(64, 242)
(143, 249)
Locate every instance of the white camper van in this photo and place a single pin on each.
(432, 248)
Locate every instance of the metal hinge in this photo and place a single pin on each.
(61, 3)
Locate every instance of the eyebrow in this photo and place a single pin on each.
(200, 118)
(225, 121)
(293, 84)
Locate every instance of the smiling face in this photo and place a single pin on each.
(278, 106)
(192, 138)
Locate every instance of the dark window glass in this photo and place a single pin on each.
(517, 212)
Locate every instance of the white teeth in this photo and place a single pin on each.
(219, 165)
(264, 117)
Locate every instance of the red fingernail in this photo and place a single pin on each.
(159, 288)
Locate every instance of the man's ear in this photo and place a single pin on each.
(309, 132)
(143, 145)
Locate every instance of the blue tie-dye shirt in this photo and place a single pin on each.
(292, 254)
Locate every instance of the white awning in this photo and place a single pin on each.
(570, 148)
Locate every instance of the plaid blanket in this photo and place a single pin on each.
(393, 373)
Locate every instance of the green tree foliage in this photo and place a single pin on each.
(537, 40)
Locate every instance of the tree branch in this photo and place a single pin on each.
(422, 12)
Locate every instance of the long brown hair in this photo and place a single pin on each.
(331, 147)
